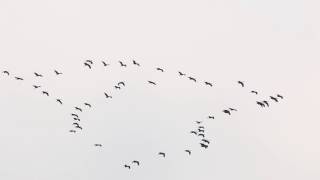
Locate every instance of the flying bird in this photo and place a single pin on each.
(241, 83)
(188, 151)
(89, 61)
(98, 145)
(6, 72)
(75, 124)
(79, 109)
(266, 103)
(19, 78)
(201, 130)
(136, 162)
(232, 109)
(72, 131)
(75, 115)
(122, 64)
(104, 63)
(87, 64)
(79, 127)
(201, 127)
(38, 75)
(162, 154)
(260, 104)
(135, 63)
(208, 83)
(227, 112)
(57, 72)
(45, 93)
(206, 141)
(87, 104)
(127, 166)
(198, 122)
(160, 69)
(192, 79)
(279, 96)
(117, 87)
(59, 101)
(202, 135)
(273, 98)
(121, 83)
(254, 92)
(204, 145)
(181, 73)
(36, 87)
(76, 119)
(151, 82)
(211, 117)
(107, 96)
(193, 132)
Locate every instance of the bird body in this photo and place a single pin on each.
(181, 73)
(87, 64)
(279, 96)
(241, 83)
(227, 112)
(260, 104)
(162, 154)
(79, 109)
(59, 101)
(188, 151)
(194, 132)
(72, 131)
(6, 72)
(266, 103)
(160, 69)
(127, 166)
(135, 63)
(136, 162)
(19, 78)
(104, 63)
(192, 79)
(98, 145)
(122, 64)
(57, 72)
(204, 145)
(107, 96)
(87, 104)
(151, 82)
(45, 93)
(38, 75)
(206, 141)
(121, 83)
(211, 117)
(254, 92)
(36, 87)
(208, 83)
(273, 98)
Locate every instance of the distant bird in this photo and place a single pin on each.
(38, 75)
(75, 124)
(72, 131)
(192, 79)
(59, 101)
(76, 119)
(208, 83)
(36, 87)
(151, 82)
(6, 72)
(206, 141)
(75, 115)
(122, 64)
(127, 166)
(211, 117)
(79, 127)
(87, 104)
(232, 109)
(117, 87)
(227, 112)
(89, 61)
(198, 122)
(98, 145)
(188, 151)
(202, 135)
(57, 72)
(162, 154)
(181, 73)
(104, 63)
(254, 92)
(201, 127)
(135, 63)
(260, 104)
(266, 103)
(273, 98)
(279, 96)
(121, 83)
(45, 93)
(107, 96)
(87, 64)
(136, 162)
(193, 132)
(160, 69)
(79, 109)
(19, 78)
(201, 130)
(204, 145)
(241, 83)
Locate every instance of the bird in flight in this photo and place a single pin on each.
(122, 64)
(59, 101)
(117, 87)
(76, 119)
(198, 122)
(121, 83)
(241, 83)
(193, 132)
(279, 96)
(204, 145)
(89, 61)
(104, 63)
(201, 134)
(232, 109)
(135, 63)
(75, 124)
(266, 103)
(226, 111)
(151, 82)
(127, 166)
(188, 151)
(72, 131)
(36, 87)
(201, 127)
(136, 162)
(87, 104)
(206, 141)
(192, 79)
(160, 69)
(162, 154)
(200, 130)
(260, 104)
(19, 78)
(87, 64)
(98, 145)
(181, 73)
(38, 75)
(57, 72)
(254, 92)
(6, 72)
(211, 117)
(74, 115)
(273, 98)
(79, 109)
(208, 83)
(107, 96)
(79, 127)
(45, 93)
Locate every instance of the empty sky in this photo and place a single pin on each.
(273, 46)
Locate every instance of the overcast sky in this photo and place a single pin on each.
(273, 46)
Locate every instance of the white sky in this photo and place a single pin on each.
(273, 46)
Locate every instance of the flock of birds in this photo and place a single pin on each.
(199, 131)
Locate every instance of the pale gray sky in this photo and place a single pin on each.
(273, 46)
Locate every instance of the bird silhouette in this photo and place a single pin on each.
(72, 131)
(194, 132)
(188, 151)
(38, 75)
(201, 127)
(232, 109)
(162, 154)
(204, 145)
(181, 73)
(98, 145)
(36, 87)
(211, 117)
(160, 69)
(79, 127)
(208, 83)
(87, 64)
(136, 162)
(206, 141)
(279, 96)
(57, 72)
(151, 82)
(122, 64)
(202, 135)
(75, 124)
(104, 63)
(76, 119)
(135, 63)
(19, 78)
(107, 96)
(273, 98)
(79, 109)
(192, 79)
(127, 166)
(254, 92)
(201, 130)
(117, 87)
(74, 115)
(121, 83)
(198, 122)
(260, 104)
(59, 101)
(227, 112)
(45, 93)
(89, 61)
(87, 104)
(6, 72)
(241, 83)
(266, 103)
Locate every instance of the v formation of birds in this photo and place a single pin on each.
(199, 131)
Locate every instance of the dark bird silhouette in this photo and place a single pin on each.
(160, 69)
(206, 141)
(76, 124)
(57, 72)
(98, 145)
(162, 154)
(208, 83)
(241, 83)
(201, 127)
(19, 78)
(273, 98)
(227, 112)
(76, 119)
(181, 73)
(254, 92)
(36, 87)
(117, 87)
(6, 72)
(45, 93)
(260, 104)
(193, 132)
(121, 83)
(79, 127)
(59, 101)
(87, 104)
(266, 103)
(72, 131)
(201, 130)
(188, 151)
(135, 63)
(87, 64)
(89, 61)
(204, 145)
(107, 96)
(198, 122)
(192, 79)
(38, 75)
(122, 64)
(202, 135)
(127, 166)
(279, 96)
(151, 82)
(232, 109)
(211, 117)
(79, 109)
(104, 63)
(74, 115)
(136, 162)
